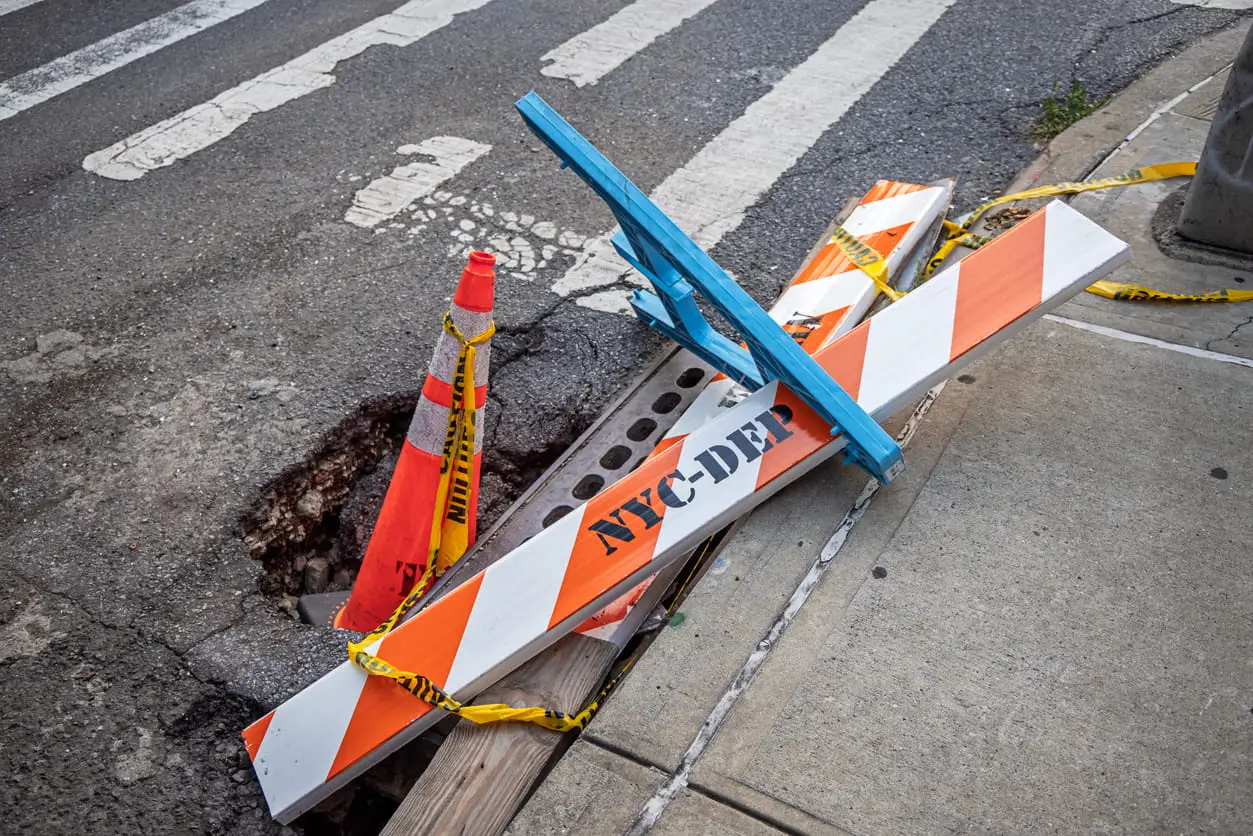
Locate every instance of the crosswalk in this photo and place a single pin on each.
(588, 57)
(91, 62)
(203, 125)
(710, 193)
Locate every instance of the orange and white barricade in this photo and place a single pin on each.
(347, 721)
(824, 301)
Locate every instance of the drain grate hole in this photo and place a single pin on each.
(690, 378)
(556, 514)
(641, 429)
(615, 457)
(588, 486)
(666, 403)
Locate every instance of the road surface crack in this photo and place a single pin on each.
(1231, 335)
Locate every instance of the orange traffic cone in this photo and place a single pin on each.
(431, 506)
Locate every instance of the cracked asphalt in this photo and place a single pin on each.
(169, 346)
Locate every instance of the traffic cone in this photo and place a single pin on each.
(422, 513)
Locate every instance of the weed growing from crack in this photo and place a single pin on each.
(1060, 112)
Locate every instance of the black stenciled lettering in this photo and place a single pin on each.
(604, 529)
(640, 507)
(643, 510)
(775, 420)
(719, 461)
(801, 326)
(666, 493)
(749, 441)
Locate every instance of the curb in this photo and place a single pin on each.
(1077, 151)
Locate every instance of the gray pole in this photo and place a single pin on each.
(1219, 207)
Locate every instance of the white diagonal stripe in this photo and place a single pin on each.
(81, 66)
(514, 603)
(709, 196)
(708, 502)
(305, 734)
(391, 194)
(1066, 235)
(7, 6)
(589, 56)
(898, 209)
(851, 288)
(199, 127)
(910, 345)
(706, 404)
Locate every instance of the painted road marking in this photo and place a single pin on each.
(198, 127)
(1216, 4)
(104, 56)
(7, 6)
(1126, 336)
(588, 57)
(391, 194)
(710, 195)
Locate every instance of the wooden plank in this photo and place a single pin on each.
(488, 770)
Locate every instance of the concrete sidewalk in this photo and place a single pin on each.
(1047, 625)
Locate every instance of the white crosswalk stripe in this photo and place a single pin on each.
(1239, 5)
(104, 56)
(197, 128)
(588, 57)
(710, 195)
(391, 194)
(7, 6)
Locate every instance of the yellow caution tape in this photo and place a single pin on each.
(1162, 171)
(430, 693)
(1135, 293)
(449, 541)
(867, 259)
(960, 235)
(450, 532)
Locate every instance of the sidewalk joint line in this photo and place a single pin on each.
(623, 752)
(656, 806)
(1127, 336)
(766, 819)
(620, 751)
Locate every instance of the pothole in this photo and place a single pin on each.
(308, 530)
(309, 527)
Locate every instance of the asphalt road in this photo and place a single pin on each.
(189, 300)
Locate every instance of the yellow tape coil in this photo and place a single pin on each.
(1147, 174)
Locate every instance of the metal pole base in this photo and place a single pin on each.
(1219, 207)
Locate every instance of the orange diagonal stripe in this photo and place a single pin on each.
(592, 569)
(427, 647)
(998, 284)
